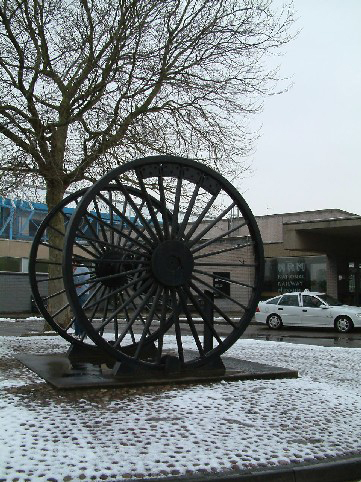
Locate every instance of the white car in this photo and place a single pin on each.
(308, 309)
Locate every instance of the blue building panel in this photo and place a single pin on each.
(20, 219)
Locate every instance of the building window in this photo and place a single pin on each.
(25, 265)
(10, 264)
(289, 300)
(220, 282)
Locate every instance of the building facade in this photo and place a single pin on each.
(315, 250)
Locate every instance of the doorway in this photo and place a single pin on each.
(349, 282)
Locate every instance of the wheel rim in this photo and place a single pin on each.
(55, 307)
(343, 324)
(274, 322)
(174, 260)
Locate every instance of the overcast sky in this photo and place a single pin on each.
(309, 153)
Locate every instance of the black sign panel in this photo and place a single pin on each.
(221, 284)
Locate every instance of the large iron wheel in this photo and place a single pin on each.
(200, 249)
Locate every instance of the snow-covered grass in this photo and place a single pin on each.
(110, 434)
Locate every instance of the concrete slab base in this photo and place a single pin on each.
(64, 372)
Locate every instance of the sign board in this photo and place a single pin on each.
(221, 284)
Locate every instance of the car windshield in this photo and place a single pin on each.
(330, 300)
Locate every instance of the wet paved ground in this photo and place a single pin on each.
(320, 337)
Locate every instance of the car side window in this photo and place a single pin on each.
(289, 300)
(273, 301)
(311, 301)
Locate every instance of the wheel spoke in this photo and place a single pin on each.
(86, 250)
(210, 225)
(228, 280)
(131, 223)
(175, 317)
(191, 322)
(100, 218)
(217, 238)
(162, 325)
(219, 292)
(135, 306)
(115, 322)
(91, 240)
(221, 251)
(189, 208)
(53, 278)
(199, 309)
(175, 212)
(124, 211)
(125, 304)
(148, 322)
(120, 248)
(46, 298)
(215, 307)
(128, 285)
(61, 310)
(234, 265)
(51, 246)
(54, 263)
(127, 318)
(111, 216)
(135, 219)
(163, 208)
(105, 309)
(142, 246)
(200, 217)
(53, 228)
(135, 315)
(150, 207)
(111, 276)
(90, 262)
(137, 210)
(91, 297)
(90, 226)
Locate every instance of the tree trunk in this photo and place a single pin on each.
(56, 230)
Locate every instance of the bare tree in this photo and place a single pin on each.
(86, 85)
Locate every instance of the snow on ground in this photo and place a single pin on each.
(110, 434)
(29, 318)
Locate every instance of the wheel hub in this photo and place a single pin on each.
(112, 263)
(172, 263)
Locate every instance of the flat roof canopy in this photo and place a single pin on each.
(337, 237)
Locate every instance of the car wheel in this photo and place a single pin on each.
(274, 322)
(343, 324)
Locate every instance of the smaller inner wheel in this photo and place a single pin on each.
(172, 263)
(111, 263)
